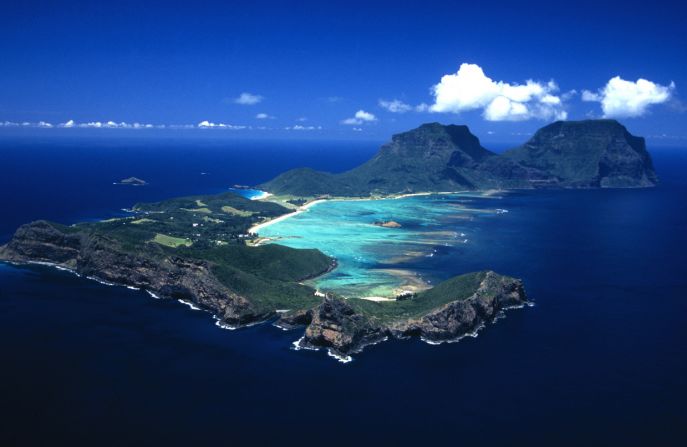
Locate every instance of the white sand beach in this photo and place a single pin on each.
(255, 228)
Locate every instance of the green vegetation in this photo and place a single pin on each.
(266, 294)
(454, 289)
(169, 241)
(180, 218)
(298, 202)
(269, 275)
(270, 261)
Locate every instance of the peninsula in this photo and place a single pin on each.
(201, 249)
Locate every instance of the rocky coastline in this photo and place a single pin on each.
(335, 324)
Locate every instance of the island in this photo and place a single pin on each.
(204, 249)
(132, 181)
(435, 158)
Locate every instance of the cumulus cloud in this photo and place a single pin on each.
(264, 116)
(365, 116)
(395, 106)
(110, 125)
(359, 118)
(470, 89)
(210, 125)
(621, 98)
(248, 99)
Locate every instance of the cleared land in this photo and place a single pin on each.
(236, 212)
(171, 241)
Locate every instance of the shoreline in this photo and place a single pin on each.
(301, 209)
(262, 196)
(254, 229)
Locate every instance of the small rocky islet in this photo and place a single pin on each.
(132, 181)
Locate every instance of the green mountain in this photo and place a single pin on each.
(587, 154)
(435, 157)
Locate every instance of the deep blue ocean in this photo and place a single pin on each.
(601, 359)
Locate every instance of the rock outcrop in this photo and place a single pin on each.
(457, 318)
(344, 328)
(336, 325)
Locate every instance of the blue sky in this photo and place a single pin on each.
(310, 67)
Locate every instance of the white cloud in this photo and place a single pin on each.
(110, 125)
(470, 89)
(621, 98)
(568, 95)
(359, 118)
(299, 127)
(365, 116)
(395, 106)
(210, 125)
(122, 125)
(41, 124)
(248, 99)
(590, 96)
(264, 116)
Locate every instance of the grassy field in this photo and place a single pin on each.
(170, 241)
(236, 212)
(198, 210)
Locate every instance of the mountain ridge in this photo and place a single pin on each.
(436, 157)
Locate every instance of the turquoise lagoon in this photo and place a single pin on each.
(376, 261)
